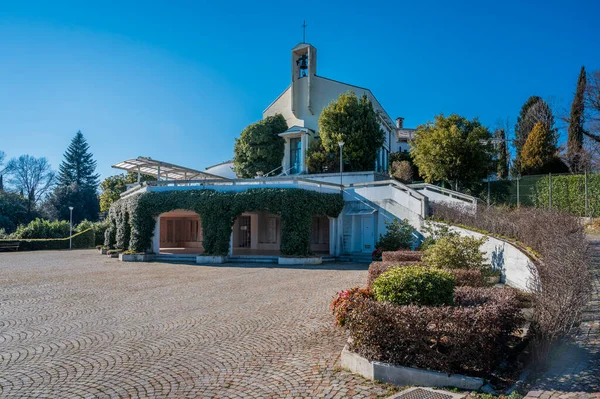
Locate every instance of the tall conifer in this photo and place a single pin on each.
(576, 121)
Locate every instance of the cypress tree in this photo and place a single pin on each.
(79, 165)
(539, 151)
(503, 158)
(522, 132)
(575, 140)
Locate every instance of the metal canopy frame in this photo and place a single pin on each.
(161, 169)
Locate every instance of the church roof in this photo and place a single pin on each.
(153, 167)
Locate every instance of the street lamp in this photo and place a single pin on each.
(341, 144)
(71, 227)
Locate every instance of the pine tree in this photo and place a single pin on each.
(538, 151)
(77, 184)
(503, 157)
(576, 130)
(79, 165)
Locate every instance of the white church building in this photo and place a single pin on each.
(371, 198)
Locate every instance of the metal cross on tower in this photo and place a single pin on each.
(304, 32)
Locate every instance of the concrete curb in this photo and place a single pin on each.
(206, 259)
(400, 375)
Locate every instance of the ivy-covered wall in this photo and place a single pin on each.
(132, 219)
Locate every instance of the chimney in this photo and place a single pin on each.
(399, 122)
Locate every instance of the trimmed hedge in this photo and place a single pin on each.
(132, 219)
(402, 256)
(568, 194)
(414, 285)
(85, 239)
(462, 277)
(471, 338)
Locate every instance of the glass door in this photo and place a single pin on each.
(295, 155)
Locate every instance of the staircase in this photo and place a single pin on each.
(175, 258)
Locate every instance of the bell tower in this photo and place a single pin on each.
(304, 68)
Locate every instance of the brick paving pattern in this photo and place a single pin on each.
(80, 325)
(575, 368)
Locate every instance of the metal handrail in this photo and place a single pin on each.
(444, 191)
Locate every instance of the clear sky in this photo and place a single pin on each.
(178, 81)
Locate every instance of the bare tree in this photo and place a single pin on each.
(32, 176)
(592, 106)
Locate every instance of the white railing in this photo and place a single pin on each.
(444, 192)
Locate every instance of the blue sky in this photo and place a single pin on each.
(178, 81)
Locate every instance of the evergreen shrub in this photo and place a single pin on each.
(456, 252)
(82, 240)
(414, 285)
(399, 235)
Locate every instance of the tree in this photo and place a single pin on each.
(77, 184)
(259, 148)
(78, 165)
(576, 125)
(32, 176)
(592, 106)
(318, 160)
(84, 202)
(355, 122)
(113, 186)
(404, 156)
(403, 171)
(453, 150)
(539, 153)
(13, 211)
(533, 111)
(502, 160)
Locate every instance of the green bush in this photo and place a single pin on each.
(99, 229)
(43, 228)
(435, 232)
(399, 235)
(132, 219)
(456, 252)
(82, 240)
(415, 285)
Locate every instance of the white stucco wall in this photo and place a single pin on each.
(505, 256)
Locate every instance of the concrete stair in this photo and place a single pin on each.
(175, 258)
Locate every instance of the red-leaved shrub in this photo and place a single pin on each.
(402, 256)
(343, 301)
(471, 338)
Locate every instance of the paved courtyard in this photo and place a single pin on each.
(80, 325)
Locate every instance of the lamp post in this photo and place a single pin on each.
(70, 227)
(341, 144)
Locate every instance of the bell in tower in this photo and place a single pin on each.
(302, 63)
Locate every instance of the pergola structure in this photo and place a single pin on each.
(161, 169)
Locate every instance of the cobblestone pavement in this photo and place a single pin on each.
(80, 325)
(575, 368)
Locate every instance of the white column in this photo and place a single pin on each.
(156, 236)
(304, 141)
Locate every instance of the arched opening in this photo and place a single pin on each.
(257, 233)
(180, 232)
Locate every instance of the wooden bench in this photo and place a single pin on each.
(9, 245)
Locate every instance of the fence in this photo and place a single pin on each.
(577, 194)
